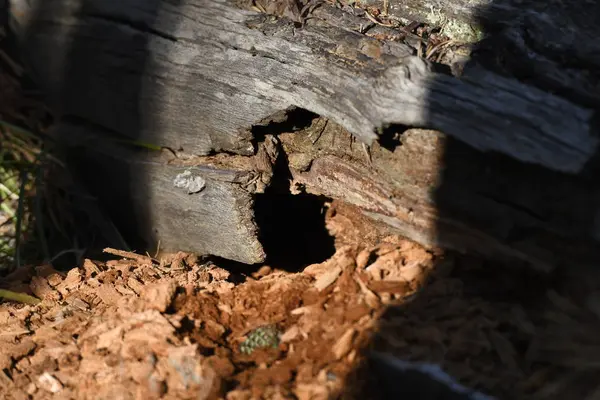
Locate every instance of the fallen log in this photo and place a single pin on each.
(202, 78)
(226, 69)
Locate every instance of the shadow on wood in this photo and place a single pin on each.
(161, 117)
(522, 210)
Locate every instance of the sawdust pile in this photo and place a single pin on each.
(182, 327)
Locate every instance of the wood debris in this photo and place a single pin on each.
(174, 328)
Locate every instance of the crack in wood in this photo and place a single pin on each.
(132, 24)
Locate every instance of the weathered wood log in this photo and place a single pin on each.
(549, 44)
(431, 189)
(200, 77)
(226, 69)
(439, 191)
(199, 206)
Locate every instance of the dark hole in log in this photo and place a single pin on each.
(291, 227)
(290, 120)
(389, 137)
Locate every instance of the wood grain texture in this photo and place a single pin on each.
(550, 44)
(430, 188)
(439, 192)
(143, 194)
(198, 74)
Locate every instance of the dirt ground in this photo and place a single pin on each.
(182, 327)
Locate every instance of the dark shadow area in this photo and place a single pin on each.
(95, 76)
(290, 120)
(291, 227)
(537, 228)
(454, 325)
(390, 136)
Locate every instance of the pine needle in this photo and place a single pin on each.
(18, 297)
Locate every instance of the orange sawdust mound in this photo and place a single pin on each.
(181, 327)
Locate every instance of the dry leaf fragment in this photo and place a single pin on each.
(302, 310)
(90, 268)
(395, 287)
(78, 303)
(218, 274)
(316, 270)
(371, 298)
(311, 391)
(239, 394)
(362, 260)
(42, 289)
(71, 282)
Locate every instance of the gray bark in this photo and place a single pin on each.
(226, 69)
(201, 206)
(198, 76)
(440, 192)
(551, 44)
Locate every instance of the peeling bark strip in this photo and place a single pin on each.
(197, 75)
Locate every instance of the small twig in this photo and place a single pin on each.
(308, 9)
(409, 28)
(435, 49)
(19, 222)
(157, 249)
(374, 20)
(129, 255)
(367, 153)
(18, 297)
(78, 254)
(320, 132)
